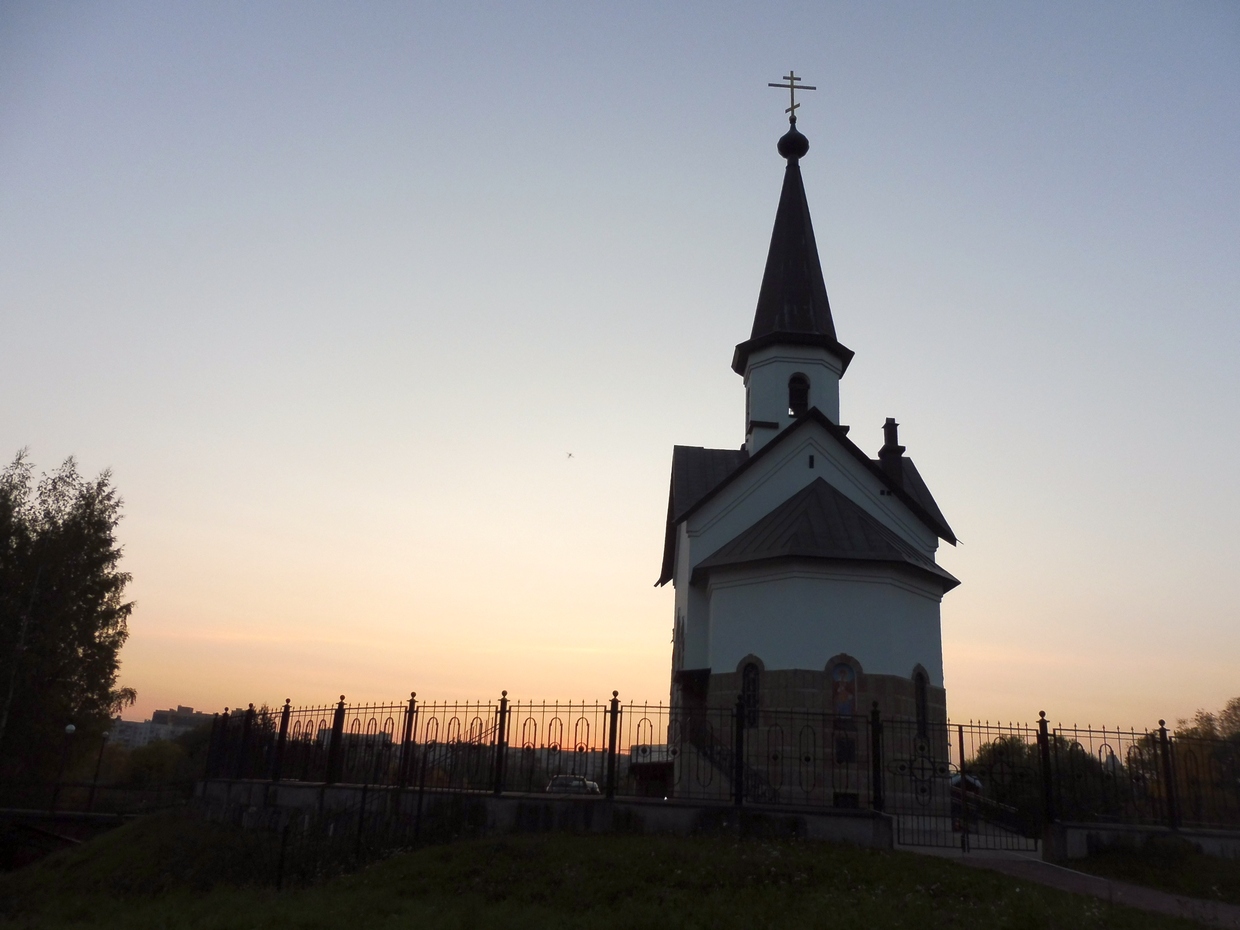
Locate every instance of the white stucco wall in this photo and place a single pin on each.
(766, 387)
(800, 615)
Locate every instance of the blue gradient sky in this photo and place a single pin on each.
(333, 289)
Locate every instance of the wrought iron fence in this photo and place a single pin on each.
(973, 785)
(322, 743)
(646, 750)
(1207, 776)
(1150, 776)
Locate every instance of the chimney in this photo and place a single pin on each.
(891, 455)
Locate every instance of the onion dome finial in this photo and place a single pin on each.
(793, 145)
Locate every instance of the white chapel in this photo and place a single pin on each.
(804, 569)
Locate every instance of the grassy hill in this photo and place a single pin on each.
(175, 871)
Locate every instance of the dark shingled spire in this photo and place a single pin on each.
(792, 304)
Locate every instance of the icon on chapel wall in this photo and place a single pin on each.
(843, 689)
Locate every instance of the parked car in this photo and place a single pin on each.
(970, 783)
(572, 784)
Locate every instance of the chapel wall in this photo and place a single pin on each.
(801, 615)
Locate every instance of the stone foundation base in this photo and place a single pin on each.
(483, 814)
(813, 690)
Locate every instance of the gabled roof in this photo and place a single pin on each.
(695, 473)
(792, 303)
(700, 467)
(814, 415)
(818, 522)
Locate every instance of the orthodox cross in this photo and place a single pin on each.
(792, 88)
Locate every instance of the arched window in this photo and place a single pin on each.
(920, 696)
(843, 690)
(798, 395)
(749, 693)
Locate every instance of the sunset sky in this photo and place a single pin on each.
(334, 290)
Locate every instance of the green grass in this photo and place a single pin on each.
(1169, 864)
(177, 872)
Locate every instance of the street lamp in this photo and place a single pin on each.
(103, 744)
(64, 758)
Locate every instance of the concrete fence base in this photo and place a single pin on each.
(485, 814)
(1066, 841)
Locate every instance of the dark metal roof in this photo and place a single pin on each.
(695, 473)
(818, 522)
(916, 489)
(814, 415)
(792, 302)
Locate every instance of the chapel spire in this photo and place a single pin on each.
(792, 303)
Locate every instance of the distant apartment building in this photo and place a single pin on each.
(164, 724)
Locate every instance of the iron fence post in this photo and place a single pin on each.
(1168, 766)
(738, 751)
(246, 726)
(501, 743)
(964, 796)
(613, 726)
(417, 823)
(222, 767)
(876, 758)
(411, 714)
(333, 749)
(1044, 757)
(361, 823)
(213, 748)
(406, 740)
(277, 760)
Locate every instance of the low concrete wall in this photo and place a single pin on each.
(531, 813)
(1065, 841)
